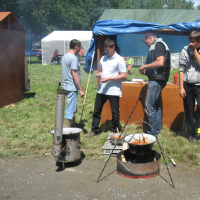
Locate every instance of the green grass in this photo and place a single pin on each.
(25, 128)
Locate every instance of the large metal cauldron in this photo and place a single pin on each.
(140, 143)
(71, 146)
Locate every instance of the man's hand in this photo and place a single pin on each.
(82, 94)
(192, 46)
(182, 92)
(104, 80)
(141, 70)
(98, 75)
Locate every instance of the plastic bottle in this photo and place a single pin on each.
(175, 78)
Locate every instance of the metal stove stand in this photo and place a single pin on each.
(108, 148)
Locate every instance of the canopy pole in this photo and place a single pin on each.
(100, 53)
(87, 85)
(64, 48)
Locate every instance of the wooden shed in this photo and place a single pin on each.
(12, 65)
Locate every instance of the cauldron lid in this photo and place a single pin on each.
(67, 131)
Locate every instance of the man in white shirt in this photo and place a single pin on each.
(112, 72)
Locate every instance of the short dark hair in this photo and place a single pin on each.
(148, 35)
(74, 43)
(108, 43)
(194, 35)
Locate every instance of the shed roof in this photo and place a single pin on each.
(9, 21)
(160, 16)
(68, 35)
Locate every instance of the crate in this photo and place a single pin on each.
(108, 147)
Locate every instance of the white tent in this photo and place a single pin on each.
(60, 40)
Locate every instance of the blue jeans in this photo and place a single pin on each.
(72, 98)
(153, 106)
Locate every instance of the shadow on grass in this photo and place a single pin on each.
(104, 127)
(33, 61)
(81, 125)
(29, 95)
(198, 137)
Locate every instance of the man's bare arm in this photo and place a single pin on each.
(159, 62)
(77, 81)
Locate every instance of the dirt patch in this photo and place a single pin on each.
(35, 177)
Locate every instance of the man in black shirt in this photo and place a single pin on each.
(157, 70)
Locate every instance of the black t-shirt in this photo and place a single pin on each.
(161, 73)
(160, 49)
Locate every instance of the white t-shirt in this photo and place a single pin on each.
(111, 67)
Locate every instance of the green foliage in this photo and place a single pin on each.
(180, 4)
(45, 16)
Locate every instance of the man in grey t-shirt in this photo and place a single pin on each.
(72, 78)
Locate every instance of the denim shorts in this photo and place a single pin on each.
(71, 104)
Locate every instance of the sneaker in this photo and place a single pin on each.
(91, 134)
(192, 139)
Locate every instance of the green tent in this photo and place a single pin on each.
(160, 16)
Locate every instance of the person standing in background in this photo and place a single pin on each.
(130, 63)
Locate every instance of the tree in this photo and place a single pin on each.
(180, 4)
(45, 16)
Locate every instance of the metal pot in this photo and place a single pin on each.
(140, 143)
(70, 144)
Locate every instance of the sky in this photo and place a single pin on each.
(196, 2)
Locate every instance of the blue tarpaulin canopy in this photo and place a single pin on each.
(129, 35)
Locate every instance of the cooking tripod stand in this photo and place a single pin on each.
(141, 99)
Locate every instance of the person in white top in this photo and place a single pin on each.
(112, 72)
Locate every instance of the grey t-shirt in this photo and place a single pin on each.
(70, 62)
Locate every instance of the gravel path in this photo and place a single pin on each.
(38, 178)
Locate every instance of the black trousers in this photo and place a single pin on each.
(99, 102)
(192, 93)
(56, 59)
